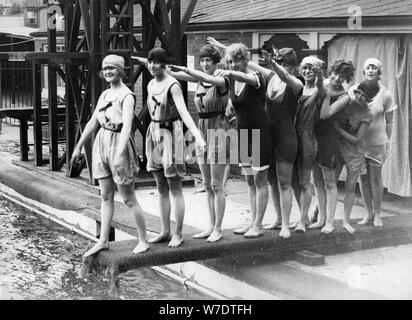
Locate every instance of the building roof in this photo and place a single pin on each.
(252, 10)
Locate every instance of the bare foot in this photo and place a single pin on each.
(141, 247)
(242, 230)
(215, 236)
(176, 241)
(366, 220)
(377, 221)
(160, 238)
(348, 227)
(300, 228)
(328, 228)
(273, 226)
(293, 225)
(284, 233)
(96, 248)
(316, 225)
(202, 235)
(253, 233)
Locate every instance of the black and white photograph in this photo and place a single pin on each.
(204, 157)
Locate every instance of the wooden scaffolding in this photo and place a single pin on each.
(94, 28)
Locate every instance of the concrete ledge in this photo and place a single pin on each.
(64, 196)
(144, 179)
(397, 230)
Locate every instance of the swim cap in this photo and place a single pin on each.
(114, 61)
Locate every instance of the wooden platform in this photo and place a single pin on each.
(397, 230)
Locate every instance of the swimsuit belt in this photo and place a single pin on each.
(167, 124)
(113, 130)
(208, 115)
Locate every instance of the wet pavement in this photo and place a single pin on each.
(40, 260)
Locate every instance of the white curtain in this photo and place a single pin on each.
(394, 53)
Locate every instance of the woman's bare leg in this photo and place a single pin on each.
(164, 205)
(217, 172)
(262, 195)
(129, 198)
(206, 174)
(175, 186)
(366, 191)
(321, 196)
(350, 188)
(250, 180)
(305, 198)
(106, 211)
(377, 193)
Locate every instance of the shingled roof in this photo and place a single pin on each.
(209, 11)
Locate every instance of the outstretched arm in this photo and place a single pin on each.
(328, 109)
(180, 75)
(212, 41)
(351, 138)
(285, 76)
(240, 76)
(200, 76)
(140, 60)
(255, 67)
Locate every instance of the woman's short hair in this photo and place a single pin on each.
(238, 51)
(343, 67)
(209, 51)
(158, 55)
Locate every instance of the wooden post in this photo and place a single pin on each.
(70, 111)
(24, 148)
(37, 123)
(52, 82)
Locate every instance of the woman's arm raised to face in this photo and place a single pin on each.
(328, 109)
(285, 76)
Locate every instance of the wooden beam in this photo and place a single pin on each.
(52, 98)
(154, 22)
(397, 230)
(189, 11)
(74, 26)
(59, 57)
(165, 17)
(86, 20)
